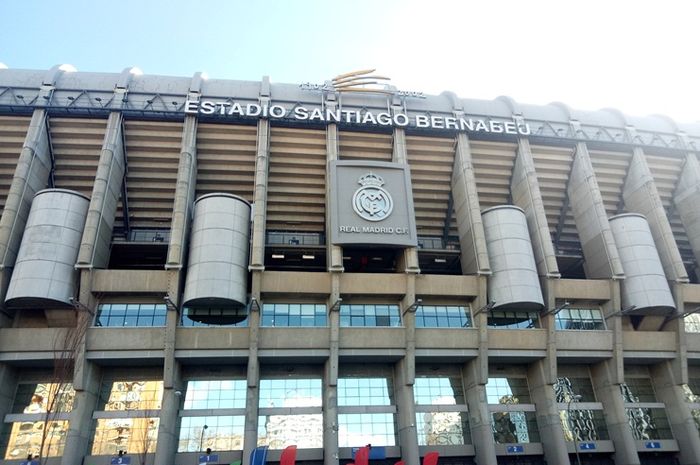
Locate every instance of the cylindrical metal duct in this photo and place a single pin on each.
(44, 273)
(217, 273)
(645, 285)
(514, 283)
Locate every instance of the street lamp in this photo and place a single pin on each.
(201, 437)
(574, 398)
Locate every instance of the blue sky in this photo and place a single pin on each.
(640, 57)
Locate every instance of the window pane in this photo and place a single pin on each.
(442, 428)
(442, 316)
(507, 391)
(220, 433)
(356, 429)
(370, 315)
(290, 392)
(585, 425)
(131, 315)
(279, 431)
(43, 397)
(305, 315)
(438, 391)
(514, 427)
(203, 394)
(136, 435)
(25, 438)
(365, 391)
(131, 395)
(512, 320)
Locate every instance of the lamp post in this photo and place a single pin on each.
(201, 437)
(574, 398)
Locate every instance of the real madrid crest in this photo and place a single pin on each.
(371, 201)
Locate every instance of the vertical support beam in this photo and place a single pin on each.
(541, 384)
(405, 379)
(97, 235)
(475, 376)
(525, 191)
(409, 261)
(607, 376)
(335, 267)
(86, 381)
(669, 390)
(257, 266)
(641, 196)
(602, 258)
(687, 198)
(472, 242)
(31, 175)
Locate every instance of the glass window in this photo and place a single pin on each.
(130, 395)
(369, 315)
(279, 431)
(438, 391)
(509, 390)
(637, 390)
(43, 397)
(220, 433)
(505, 319)
(358, 429)
(25, 437)
(305, 315)
(131, 315)
(580, 319)
(290, 392)
(135, 435)
(365, 391)
(648, 423)
(585, 424)
(566, 388)
(512, 427)
(443, 428)
(692, 390)
(443, 316)
(214, 316)
(215, 394)
(692, 323)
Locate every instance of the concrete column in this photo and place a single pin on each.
(472, 242)
(262, 166)
(670, 392)
(97, 235)
(475, 374)
(602, 258)
(80, 426)
(606, 377)
(687, 198)
(405, 375)
(409, 261)
(185, 188)
(641, 196)
(8, 388)
(334, 252)
(250, 432)
(172, 384)
(330, 392)
(31, 175)
(541, 384)
(525, 191)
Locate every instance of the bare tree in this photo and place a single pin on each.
(146, 433)
(59, 391)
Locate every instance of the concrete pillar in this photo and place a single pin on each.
(334, 252)
(541, 384)
(475, 374)
(641, 196)
(172, 383)
(330, 392)
(8, 388)
(670, 392)
(687, 198)
(262, 166)
(97, 235)
(602, 258)
(472, 242)
(250, 432)
(31, 175)
(409, 261)
(405, 375)
(525, 191)
(185, 188)
(80, 426)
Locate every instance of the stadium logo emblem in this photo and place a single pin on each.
(360, 81)
(371, 201)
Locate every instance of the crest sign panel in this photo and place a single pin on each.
(371, 203)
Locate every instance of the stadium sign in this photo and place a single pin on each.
(366, 117)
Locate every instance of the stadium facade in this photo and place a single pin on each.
(192, 263)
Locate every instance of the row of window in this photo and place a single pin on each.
(362, 315)
(302, 420)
